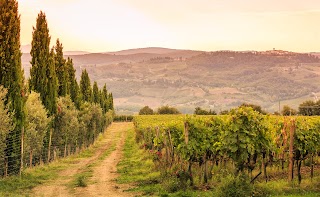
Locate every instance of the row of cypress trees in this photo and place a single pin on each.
(51, 75)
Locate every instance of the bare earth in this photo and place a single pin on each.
(104, 173)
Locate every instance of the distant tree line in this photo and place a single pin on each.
(49, 115)
(307, 108)
(146, 110)
(200, 111)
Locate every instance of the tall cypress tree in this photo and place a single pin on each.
(85, 86)
(11, 77)
(104, 98)
(96, 93)
(61, 70)
(72, 83)
(42, 74)
(110, 102)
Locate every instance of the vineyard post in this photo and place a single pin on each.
(54, 153)
(21, 161)
(49, 146)
(312, 168)
(290, 172)
(6, 167)
(186, 138)
(186, 132)
(65, 148)
(171, 147)
(157, 129)
(30, 159)
(165, 141)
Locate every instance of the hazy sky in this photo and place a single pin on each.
(110, 25)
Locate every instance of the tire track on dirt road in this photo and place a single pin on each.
(103, 173)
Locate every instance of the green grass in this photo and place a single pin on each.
(30, 178)
(21, 186)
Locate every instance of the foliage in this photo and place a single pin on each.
(85, 86)
(11, 77)
(95, 93)
(199, 111)
(224, 112)
(238, 186)
(167, 110)
(61, 70)
(92, 121)
(37, 124)
(73, 84)
(146, 110)
(6, 125)
(123, 118)
(254, 107)
(43, 73)
(66, 124)
(309, 108)
(288, 111)
(246, 139)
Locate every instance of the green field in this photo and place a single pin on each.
(244, 153)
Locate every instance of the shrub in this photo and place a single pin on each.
(235, 186)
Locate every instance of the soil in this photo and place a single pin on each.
(102, 183)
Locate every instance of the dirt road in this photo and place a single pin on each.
(102, 164)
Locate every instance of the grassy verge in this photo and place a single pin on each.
(30, 178)
(137, 168)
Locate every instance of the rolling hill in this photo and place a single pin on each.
(186, 79)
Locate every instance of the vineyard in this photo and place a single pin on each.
(263, 148)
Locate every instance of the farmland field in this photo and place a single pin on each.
(251, 151)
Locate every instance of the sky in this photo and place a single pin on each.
(208, 25)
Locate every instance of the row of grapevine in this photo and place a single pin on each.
(246, 139)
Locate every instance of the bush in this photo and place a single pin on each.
(168, 110)
(146, 110)
(123, 118)
(235, 186)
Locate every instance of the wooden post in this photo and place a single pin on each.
(6, 167)
(312, 168)
(30, 159)
(171, 148)
(65, 150)
(49, 146)
(186, 132)
(54, 153)
(21, 158)
(290, 171)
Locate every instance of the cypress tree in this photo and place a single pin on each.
(72, 83)
(96, 93)
(61, 70)
(104, 99)
(42, 74)
(51, 86)
(85, 86)
(11, 77)
(110, 102)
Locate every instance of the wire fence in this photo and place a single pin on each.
(24, 154)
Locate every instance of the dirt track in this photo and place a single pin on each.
(104, 172)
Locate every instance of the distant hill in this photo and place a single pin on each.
(187, 79)
(155, 50)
